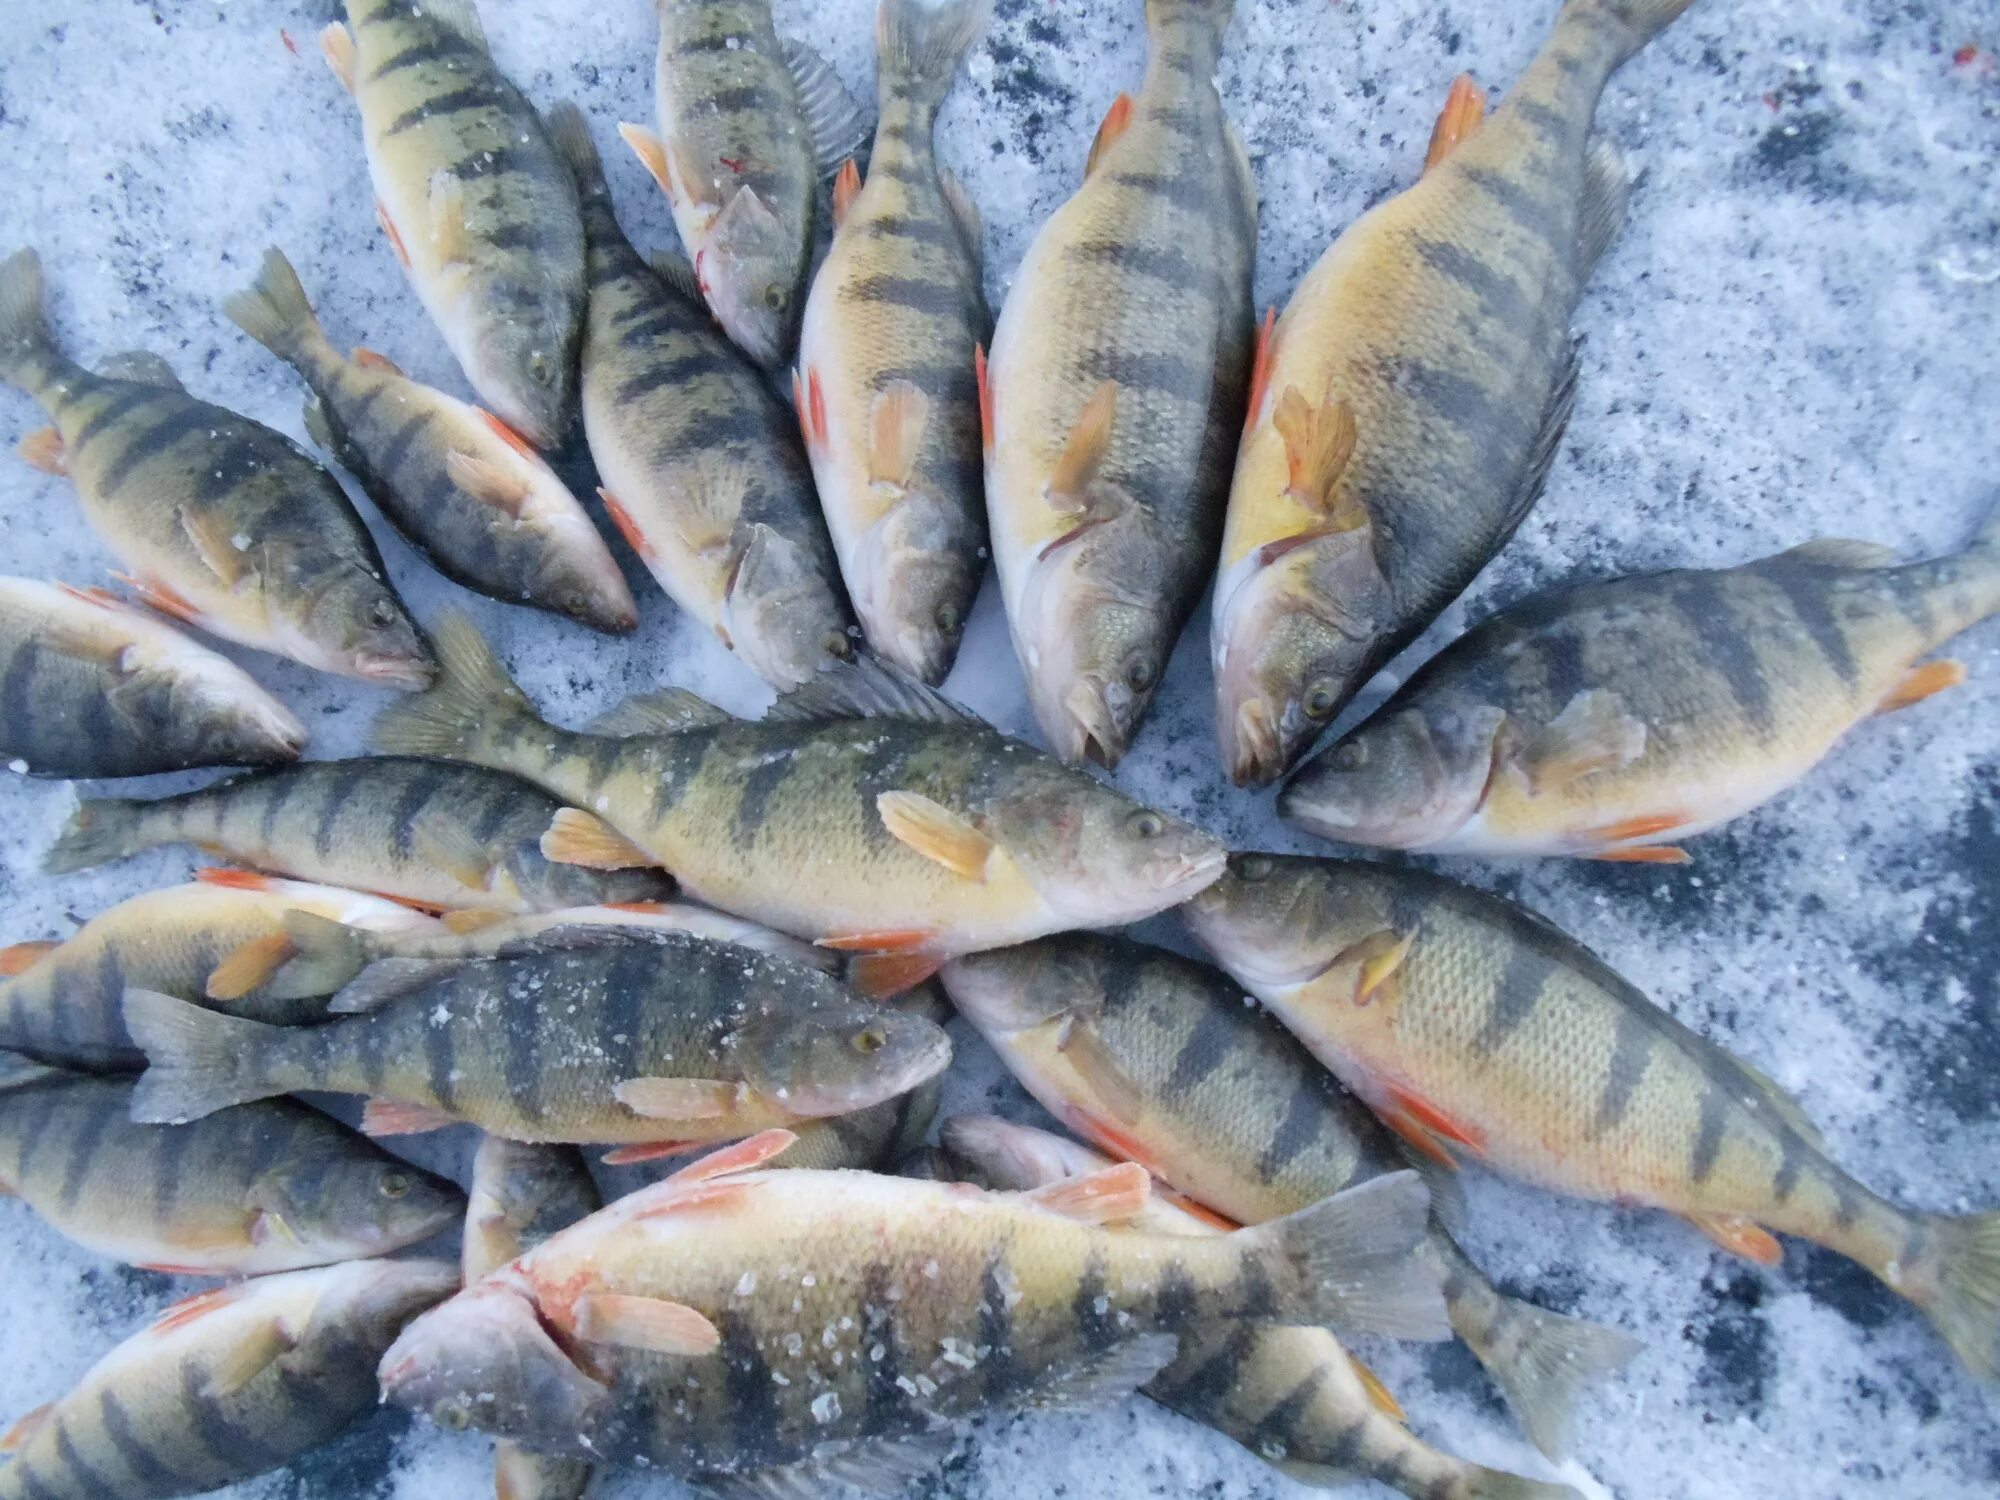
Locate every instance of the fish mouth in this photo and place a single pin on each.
(1192, 873)
(412, 673)
(1257, 753)
(1087, 730)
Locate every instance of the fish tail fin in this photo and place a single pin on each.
(453, 717)
(921, 46)
(1214, 14)
(571, 134)
(1636, 22)
(25, 345)
(1348, 1262)
(200, 1059)
(1544, 1362)
(1964, 1301)
(100, 830)
(275, 311)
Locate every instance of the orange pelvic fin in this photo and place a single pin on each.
(1464, 109)
(1428, 1128)
(883, 976)
(627, 527)
(1117, 120)
(508, 435)
(1379, 1395)
(743, 1156)
(1740, 1236)
(43, 449)
(985, 398)
(188, 1309)
(1260, 365)
(21, 957)
(235, 880)
(158, 596)
(631, 1156)
(897, 940)
(1921, 682)
(395, 239)
(846, 188)
(1103, 1197)
(1644, 854)
(382, 1117)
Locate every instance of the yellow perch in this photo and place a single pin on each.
(1474, 1027)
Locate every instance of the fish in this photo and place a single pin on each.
(864, 812)
(886, 385)
(91, 687)
(521, 1195)
(223, 1386)
(474, 200)
(724, 1325)
(1478, 1030)
(748, 124)
(1409, 404)
(60, 1001)
(654, 1040)
(868, 1140)
(1161, 1060)
(429, 833)
(1614, 720)
(704, 470)
(249, 1191)
(458, 484)
(1292, 1396)
(1115, 391)
(221, 522)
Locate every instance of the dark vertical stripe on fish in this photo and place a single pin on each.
(1708, 1132)
(1631, 1053)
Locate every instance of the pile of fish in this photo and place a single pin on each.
(674, 929)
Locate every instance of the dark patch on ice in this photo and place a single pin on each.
(1734, 1338)
(1842, 1285)
(1796, 152)
(357, 1465)
(1030, 95)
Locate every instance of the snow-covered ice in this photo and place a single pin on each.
(1795, 336)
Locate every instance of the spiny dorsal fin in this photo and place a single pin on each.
(142, 366)
(668, 710)
(1842, 552)
(866, 689)
(459, 16)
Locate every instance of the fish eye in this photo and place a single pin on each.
(1254, 866)
(947, 618)
(775, 297)
(870, 1040)
(1139, 674)
(1351, 756)
(1321, 699)
(381, 612)
(1148, 824)
(453, 1415)
(837, 644)
(395, 1184)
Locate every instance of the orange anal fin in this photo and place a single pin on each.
(16, 1437)
(1117, 120)
(167, 1268)
(1464, 108)
(627, 527)
(22, 957)
(43, 449)
(816, 405)
(188, 1309)
(1260, 366)
(158, 596)
(1437, 1121)
(1112, 1139)
(508, 435)
(234, 880)
(882, 976)
(1740, 1236)
(370, 359)
(380, 1117)
(985, 398)
(1921, 682)
(897, 940)
(1102, 1197)
(630, 1156)
(395, 240)
(1601, 842)
(1644, 854)
(846, 188)
(1417, 1138)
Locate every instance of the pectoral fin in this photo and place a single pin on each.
(936, 832)
(576, 837)
(1083, 455)
(336, 45)
(897, 420)
(652, 154)
(215, 541)
(651, 1324)
(486, 482)
(249, 1359)
(386, 1117)
(681, 1098)
(369, 359)
(1592, 733)
(447, 214)
(43, 449)
(1319, 441)
(1110, 1085)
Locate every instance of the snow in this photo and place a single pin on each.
(1795, 336)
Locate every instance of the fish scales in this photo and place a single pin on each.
(1438, 325)
(1291, 1395)
(459, 487)
(227, 1385)
(783, 821)
(548, 1046)
(436, 833)
(739, 166)
(1608, 718)
(814, 1333)
(64, 1010)
(220, 521)
(1164, 1061)
(1487, 1031)
(887, 373)
(478, 205)
(703, 467)
(260, 1188)
(1135, 297)
(91, 687)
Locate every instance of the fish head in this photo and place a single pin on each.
(524, 364)
(1005, 1157)
(1096, 624)
(584, 583)
(345, 618)
(1094, 855)
(752, 266)
(835, 1058)
(921, 569)
(1295, 639)
(369, 1302)
(780, 612)
(1274, 920)
(1406, 779)
(343, 1205)
(486, 1361)
(1007, 991)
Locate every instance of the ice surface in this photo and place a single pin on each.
(1795, 336)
